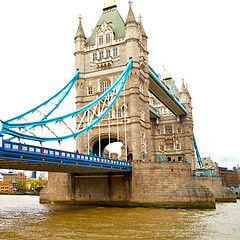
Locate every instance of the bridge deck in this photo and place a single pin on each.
(164, 95)
(28, 157)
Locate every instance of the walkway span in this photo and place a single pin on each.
(28, 157)
(162, 92)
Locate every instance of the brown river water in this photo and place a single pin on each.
(22, 217)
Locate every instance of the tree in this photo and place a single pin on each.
(22, 185)
(36, 184)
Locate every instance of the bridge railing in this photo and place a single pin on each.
(53, 153)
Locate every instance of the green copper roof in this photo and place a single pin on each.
(109, 16)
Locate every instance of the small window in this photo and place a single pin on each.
(101, 40)
(118, 113)
(104, 85)
(90, 90)
(101, 55)
(177, 146)
(108, 53)
(108, 38)
(115, 52)
(169, 146)
(94, 56)
(168, 130)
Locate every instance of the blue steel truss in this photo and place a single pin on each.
(93, 112)
(64, 91)
(197, 153)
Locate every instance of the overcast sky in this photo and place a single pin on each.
(195, 39)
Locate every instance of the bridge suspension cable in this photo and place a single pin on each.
(85, 117)
(42, 112)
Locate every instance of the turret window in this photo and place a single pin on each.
(101, 55)
(108, 53)
(118, 113)
(104, 85)
(101, 40)
(168, 130)
(90, 91)
(115, 52)
(94, 56)
(108, 38)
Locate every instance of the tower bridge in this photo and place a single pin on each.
(119, 98)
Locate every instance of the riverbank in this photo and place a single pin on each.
(16, 193)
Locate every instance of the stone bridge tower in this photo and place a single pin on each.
(100, 59)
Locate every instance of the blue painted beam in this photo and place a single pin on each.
(30, 153)
(164, 94)
(154, 111)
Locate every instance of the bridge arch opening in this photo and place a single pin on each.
(114, 147)
(103, 144)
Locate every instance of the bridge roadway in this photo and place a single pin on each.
(28, 157)
(162, 92)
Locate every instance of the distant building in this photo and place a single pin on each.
(238, 173)
(8, 181)
(229, 178)
(34, 174)
(207, 163)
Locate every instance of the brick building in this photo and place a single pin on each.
(8, 181)
(229, 178)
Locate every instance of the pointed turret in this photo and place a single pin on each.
(183, 86)
(132, 34)
(185, 97)
(80, 32)
(130, 16)
(80, 43)
(143, 33)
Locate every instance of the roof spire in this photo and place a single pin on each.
(130, 16)
(141, 26)
(80, 33)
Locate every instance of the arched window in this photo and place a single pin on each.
(104, 85)
(108, 38)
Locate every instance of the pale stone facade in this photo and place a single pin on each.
(100, 59)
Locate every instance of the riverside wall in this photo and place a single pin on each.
(151, 184)
(221, 193)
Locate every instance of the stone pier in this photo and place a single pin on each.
(214, 184)
(168, 185)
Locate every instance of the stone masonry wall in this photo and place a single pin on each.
(58, 189)
(221, 193)
(102, 188)
(168, 184)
